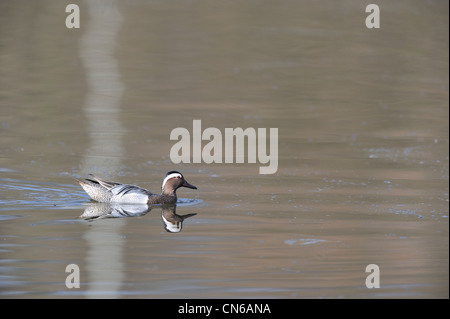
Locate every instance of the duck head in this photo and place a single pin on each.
(173, 181)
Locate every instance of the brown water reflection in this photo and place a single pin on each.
(363, 148)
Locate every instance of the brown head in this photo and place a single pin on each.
(173, 181)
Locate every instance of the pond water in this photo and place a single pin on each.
(363, 149)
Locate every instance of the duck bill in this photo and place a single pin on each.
(186, 184)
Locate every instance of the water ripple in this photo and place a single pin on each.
(19, 194)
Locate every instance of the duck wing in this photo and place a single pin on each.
(131, 194)
(105, 184)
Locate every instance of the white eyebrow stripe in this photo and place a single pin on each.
(169, 177)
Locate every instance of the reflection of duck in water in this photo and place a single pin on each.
(113, 210)
(112, 192)
(173, 222)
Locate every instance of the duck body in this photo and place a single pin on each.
(112, 192)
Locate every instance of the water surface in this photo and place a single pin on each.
(362, 177)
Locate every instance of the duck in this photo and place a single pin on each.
(112, 192)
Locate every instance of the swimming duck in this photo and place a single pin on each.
(112, 192)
